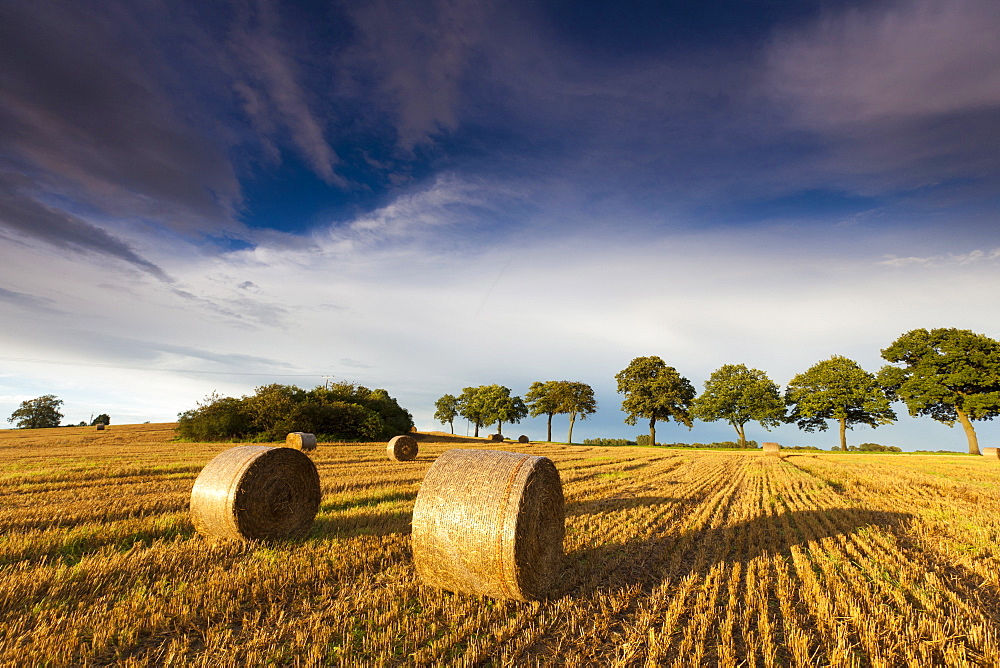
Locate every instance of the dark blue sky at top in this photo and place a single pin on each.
(216, 120)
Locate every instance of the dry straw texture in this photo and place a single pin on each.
(100, 427)
(522, 439)
(771, 448)
(302, 440)
(490, 523)
(256, 492)
(992, 453)
(496, 437)
(402, 448)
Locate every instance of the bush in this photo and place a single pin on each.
(729, 445)
(642, 439)
(346, 413)
(216, 419)
(609, 441)
(874, 447)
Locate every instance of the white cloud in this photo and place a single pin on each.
(972, 257)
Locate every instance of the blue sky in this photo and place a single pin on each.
(423, 196)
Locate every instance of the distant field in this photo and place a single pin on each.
(672, 558)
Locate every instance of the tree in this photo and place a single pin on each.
(38, 413)
(948, 375)
(542, 400)
(655, 391)
(472, 406)
(739, 395)
(837, 389)
(501, 406)
(103, 418)
(576, 399)
(447, 410)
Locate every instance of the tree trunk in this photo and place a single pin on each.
(477, 429)
(452, 423)
(572, 419)
(652, 431)
(549, 435)
(499, 427)
(970, 431)
(843, 434)
(741, 434)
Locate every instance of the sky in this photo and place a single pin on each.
(428, 195)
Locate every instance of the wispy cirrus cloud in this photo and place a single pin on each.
(270, 84)
(972, 257)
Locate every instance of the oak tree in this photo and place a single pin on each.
(950, 375)
(740, 395)
(446, 410)
(577, 400)
(837, 389)
(39, 413)
(542, 399)
(654, 391)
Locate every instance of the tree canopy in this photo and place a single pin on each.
(950, 375)
(103, 418)
(837, 389)
(576, 399)
(654, 391)
(38, 413)
(446, 410)
(542, 399)
(557, 397)
(740, 395)
(342, 412)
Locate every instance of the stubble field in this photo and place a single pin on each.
(673, 557)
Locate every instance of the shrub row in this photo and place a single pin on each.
(344, 411)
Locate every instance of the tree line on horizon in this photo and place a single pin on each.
(950, 375)
(493, 404)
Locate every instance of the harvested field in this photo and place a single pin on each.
(672, 558)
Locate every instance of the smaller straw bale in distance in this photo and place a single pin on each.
(401, 448)
(991, 453)
(771, 448)
(256, 492)
(522, 439)
(302, 440)
(490, 523)
(100, 427)
(496, 437)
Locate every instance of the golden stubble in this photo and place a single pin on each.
(676, 558)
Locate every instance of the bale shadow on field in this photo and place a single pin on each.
(643, 562)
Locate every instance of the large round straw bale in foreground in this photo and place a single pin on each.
(401, 448)
(771, 448)
(302, 440)
(490, 523)
(991, 453)
(256, 492)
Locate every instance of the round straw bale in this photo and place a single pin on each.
(496, 437)
(490, 523)
(302, 440)
(100, 427)
(992, 453)
(522, 439)
(256, 492)
(401, 448)
(771, 448)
